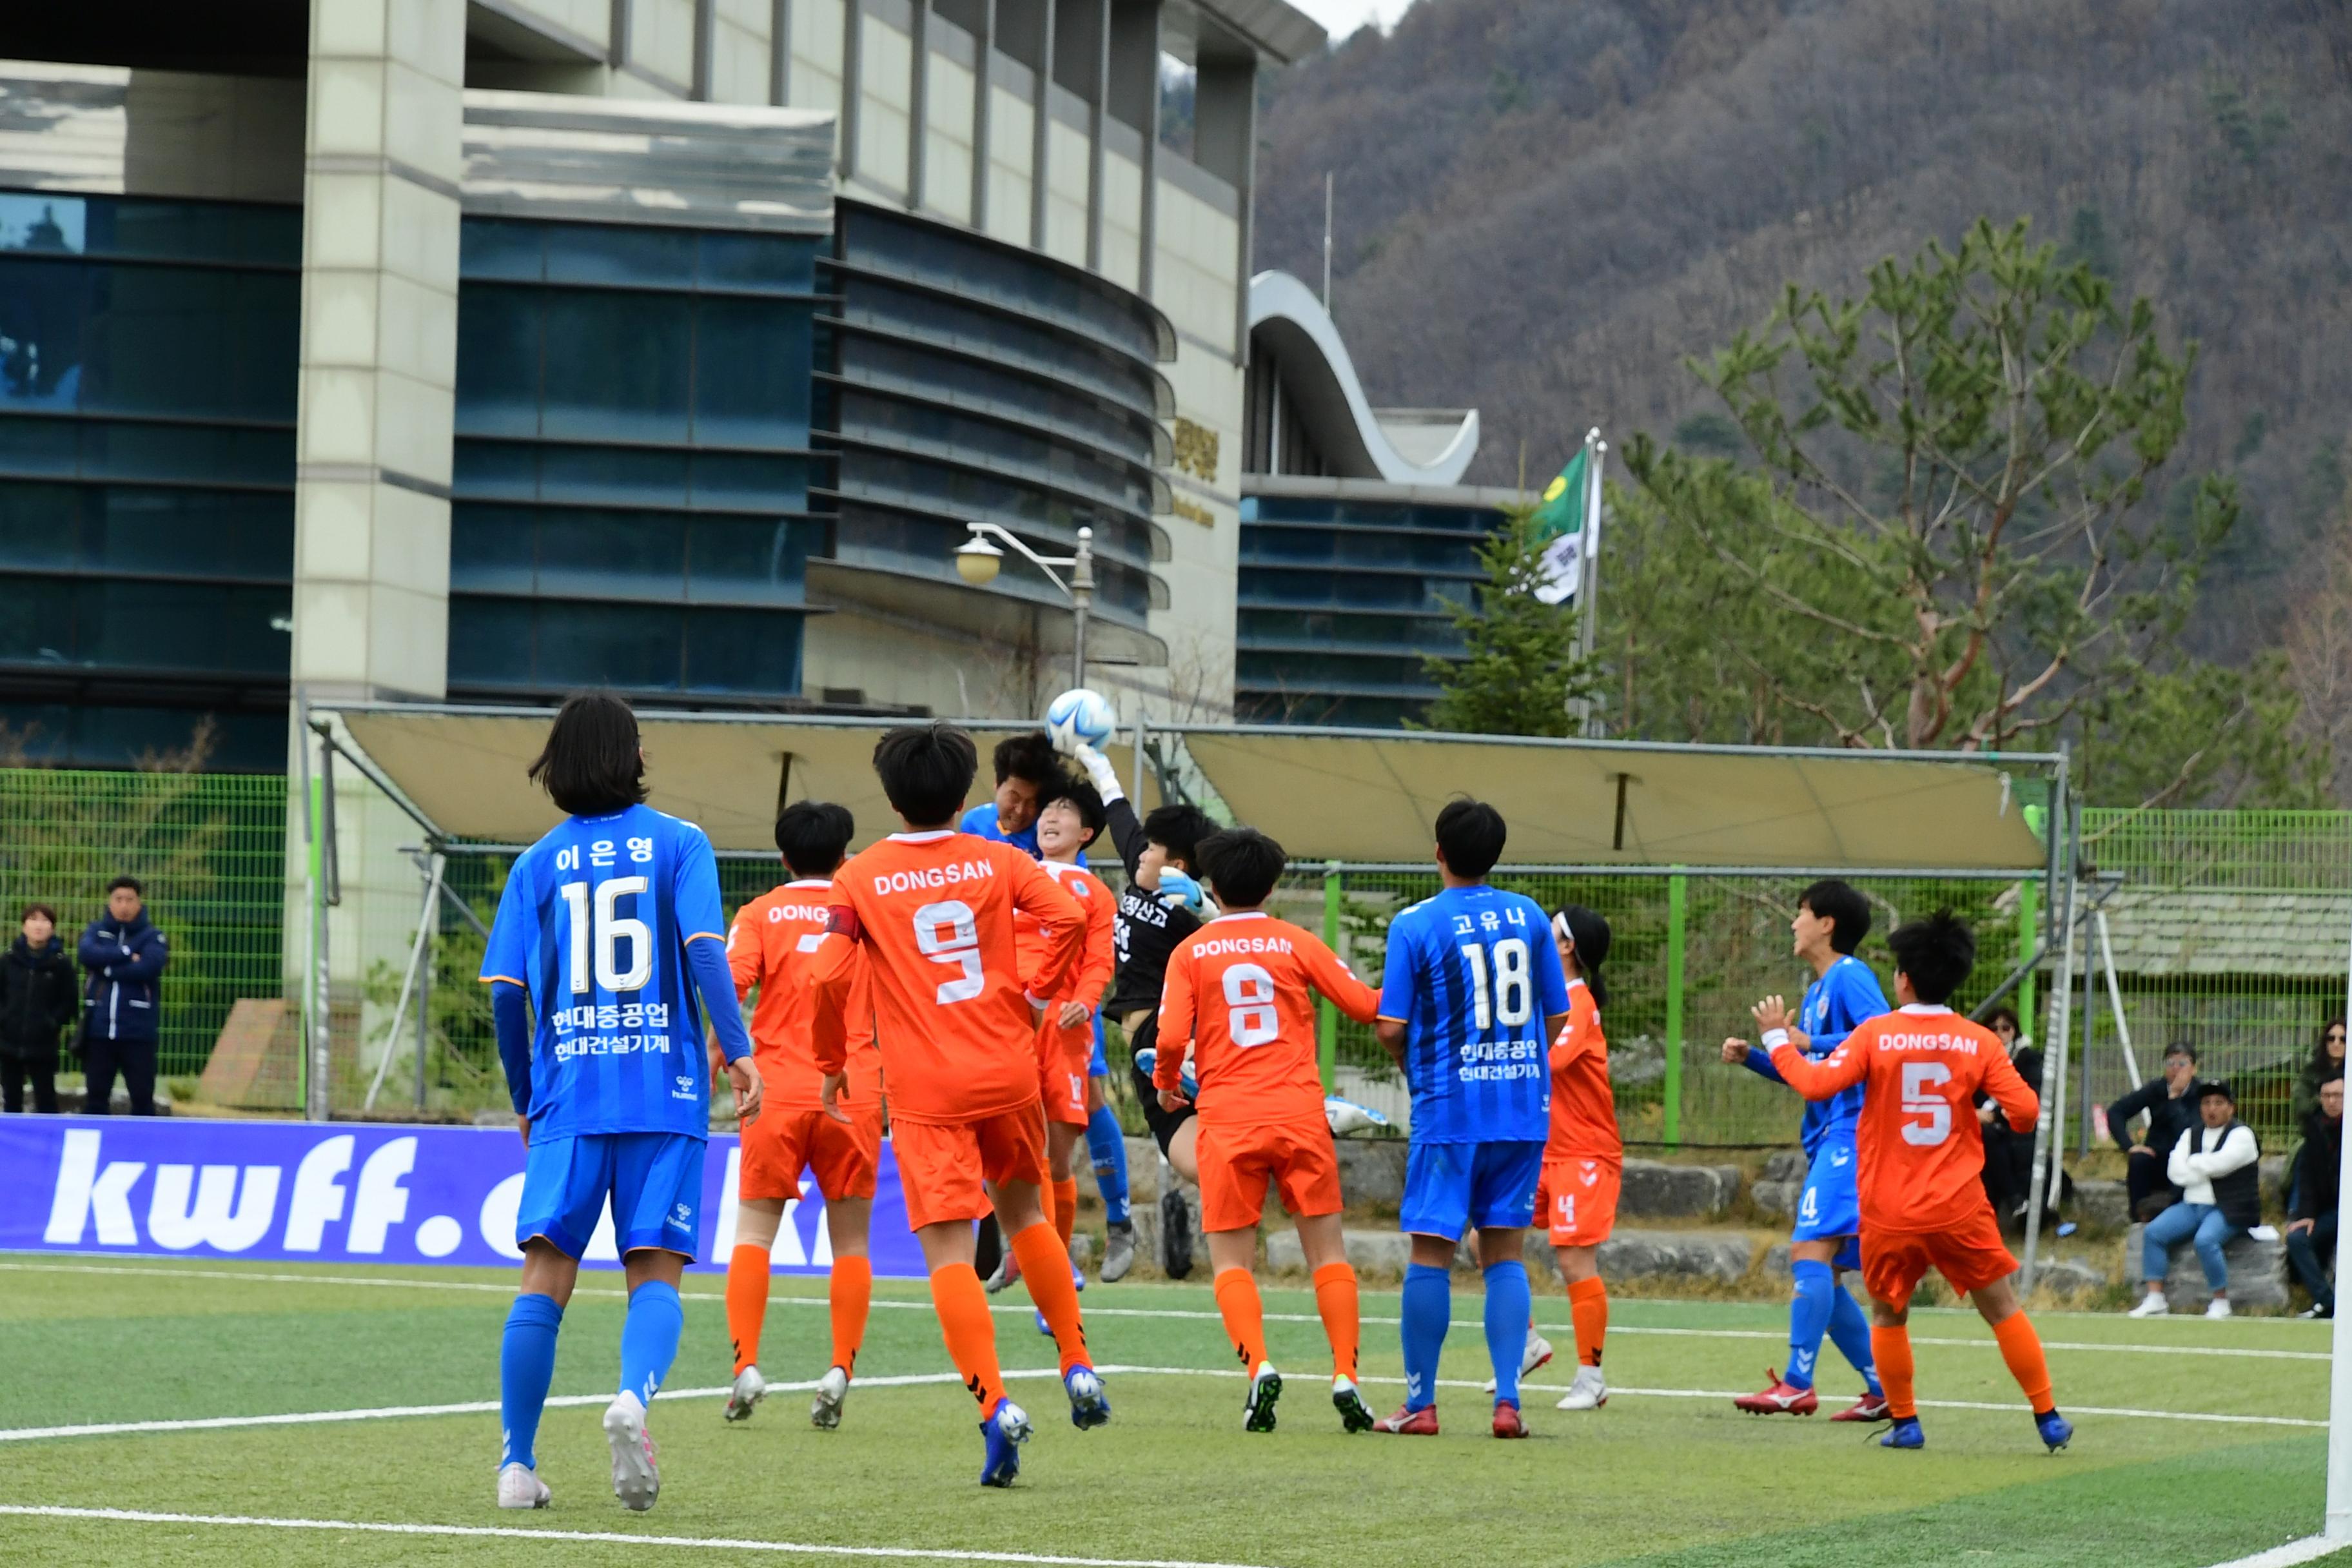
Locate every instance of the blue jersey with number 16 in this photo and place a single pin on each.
(1472, 973)
(593, 925)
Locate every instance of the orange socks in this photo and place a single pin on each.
(849, 1293)
(1588, 1303)
(1065, 1209)
(1335, 1297)
(747, 1301)
(1045, 1270)
(969, 1333)
(2021, 1347)
(1245, 1315)
(1891, 1349)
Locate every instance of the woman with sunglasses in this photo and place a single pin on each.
(2326, 1061)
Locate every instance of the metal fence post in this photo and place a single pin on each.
(1677, 911)
(1326, 1016)
(2029, 932)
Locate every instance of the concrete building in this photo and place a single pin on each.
(427, 349)
(1358, 540)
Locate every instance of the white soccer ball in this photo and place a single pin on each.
(1080, 715)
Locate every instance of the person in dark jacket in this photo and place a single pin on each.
(2311, 1227)
(124, 955)
(2326, 1061)
(2170, 1112)
(2217, 1166)
(36, 1000)
(2008, 1150)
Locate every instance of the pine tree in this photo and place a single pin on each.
(1519, 669)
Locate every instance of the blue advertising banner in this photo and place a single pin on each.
(343, 1193)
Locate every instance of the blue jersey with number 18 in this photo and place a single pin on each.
(1472, 973)
(593, 925)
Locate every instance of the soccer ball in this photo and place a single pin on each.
(1080, 715)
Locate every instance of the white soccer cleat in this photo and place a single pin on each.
(832, 1390)
(2151, 1305)
(1345, 1116)
(1534, 1354)
(1589, 1392)
(635, 1480)
(2219, 1307)
(520, 1487)
(749, 1390)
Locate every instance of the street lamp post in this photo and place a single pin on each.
(979, 558)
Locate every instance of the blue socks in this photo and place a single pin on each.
(1107, 1146)
(526, 1368)
(1509, 1304)
(1850, 1329)
(649, 1338)
(1808, 1320)
(1428, 1304)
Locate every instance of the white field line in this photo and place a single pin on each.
(1180, 1315)
(596, 1537)
(2288, 1555)
(909, 1379)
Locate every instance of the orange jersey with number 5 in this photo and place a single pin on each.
(936, 915)
(1583, 1106)
(1920, 1147)
(1242, 989)
(774, 945)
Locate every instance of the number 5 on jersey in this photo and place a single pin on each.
(1927, 1115)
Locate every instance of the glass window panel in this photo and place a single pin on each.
(492, 549)
(183, 625)
(39, 447)
(601, 554)
(497, 247)
(763, 262)
(194, 230)
(612, 474)
(490, 641)
(161, 340)
(749, 559)
(633, 647)
(744, 651)
(499, 338)
(44, 225)
(37, 621)
(240, 533)
(735, 480)
(44, 309)
(620, 253)
(500, 470)
(40, 525)
(750, 373)
(180, 452)
(616, 366)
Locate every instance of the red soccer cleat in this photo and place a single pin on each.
(1778, 1399)
(1421, 1423)
(1508, 1422)
(1869, 1407)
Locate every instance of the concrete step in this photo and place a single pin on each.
(2258, 1273)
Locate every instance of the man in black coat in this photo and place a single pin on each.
(2170, 1112)
(36, 1001)
(2311, 1227)
(122, 1007)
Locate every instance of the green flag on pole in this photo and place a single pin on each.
(1567, 525)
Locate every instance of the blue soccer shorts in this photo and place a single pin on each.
(1099, 1066)
(1829, 1204)
(1451, 1187)
(654, 1179)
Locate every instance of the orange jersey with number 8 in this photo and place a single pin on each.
(1921, 1150)
(937, 915)
(1242, 990)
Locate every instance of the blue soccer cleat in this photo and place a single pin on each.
(1903, 1434)
(2056, 1429)
(1090, 1406)
(1149, 1057)
(1003, 1431)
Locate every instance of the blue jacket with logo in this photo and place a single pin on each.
(125, 959)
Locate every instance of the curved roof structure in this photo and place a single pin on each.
(1400, 446)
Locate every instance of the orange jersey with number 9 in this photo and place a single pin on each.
(1242, 989)
(936, 915)
(1920, 1148)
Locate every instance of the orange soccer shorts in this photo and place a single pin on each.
(942, 1164)
(1062, 1058)
(1970, 1255)
(779, 1144)
(1578, 1198)
(1236, 1162)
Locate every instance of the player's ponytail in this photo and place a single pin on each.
(1587, 938)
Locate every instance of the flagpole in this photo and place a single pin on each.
(1588, 587)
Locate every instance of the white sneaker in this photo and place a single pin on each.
(824, 1410)
(2219, 1307)
(749, 1390)
(1536, 1352)
(2151, 1305)
(520, 1487)
(635, 1481)
(1589, 1392)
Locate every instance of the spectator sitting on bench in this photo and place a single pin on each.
(2216, 1167)
(2170, 1113)
(2311, 1229)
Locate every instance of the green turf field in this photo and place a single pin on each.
(1657, 1477)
